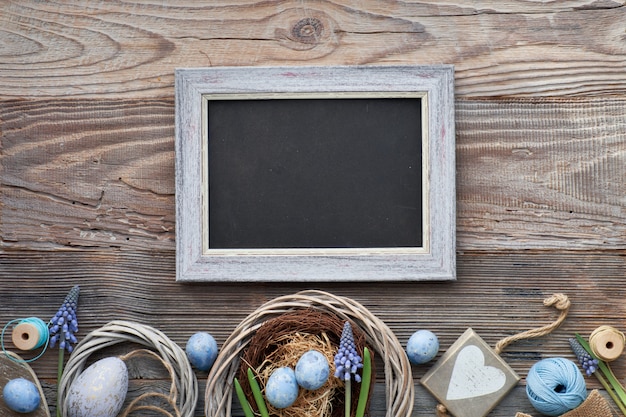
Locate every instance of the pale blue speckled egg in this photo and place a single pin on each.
(422, 346)
(281, 389)
(312, 370)
(100, 390)
(21, 395)
(201, 350)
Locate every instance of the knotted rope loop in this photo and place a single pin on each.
(561, 302)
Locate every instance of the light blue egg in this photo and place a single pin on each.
(422, 346)
(312, 370)
(201, 350)
(281, 389)
(21, 395)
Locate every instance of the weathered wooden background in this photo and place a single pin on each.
(87, 160)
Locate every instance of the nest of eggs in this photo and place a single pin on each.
(399, 384)
(280, 342)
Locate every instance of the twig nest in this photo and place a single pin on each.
(283, 342)
(399, 383)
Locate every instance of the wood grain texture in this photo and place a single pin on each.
(531, 174)
(87, 174)
(530, 163)
(130, 49)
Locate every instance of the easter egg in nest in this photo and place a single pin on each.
(281, 389)
(312, 370)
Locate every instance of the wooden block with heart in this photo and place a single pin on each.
(470, 378)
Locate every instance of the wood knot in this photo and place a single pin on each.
(308, 30)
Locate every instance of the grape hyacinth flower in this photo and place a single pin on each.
(589, 364)
(63, 327)
(64, 324)
(347, 362)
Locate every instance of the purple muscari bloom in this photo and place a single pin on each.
(64, 323)
(347, 360)
(589, 364)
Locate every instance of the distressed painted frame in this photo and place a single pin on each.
(435, 260)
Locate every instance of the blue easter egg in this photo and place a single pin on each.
(201, 350)
(21, 395)
(281, 389)
(422, 346)
(312, 370)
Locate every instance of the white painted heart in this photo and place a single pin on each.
(471, 378)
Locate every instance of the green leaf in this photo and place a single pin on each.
(245, 405)
(258, 396)
(366, 379)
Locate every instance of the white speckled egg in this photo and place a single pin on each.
(100, 390)
(281, 389)
(312, 370)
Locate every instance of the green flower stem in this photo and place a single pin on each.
(608, 374)
(245, 405)
(59, 375)
(348, 396)
(258, 396)
(366, 379)
(610, 391)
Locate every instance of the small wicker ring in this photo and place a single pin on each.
(399, 389)
(123, 331)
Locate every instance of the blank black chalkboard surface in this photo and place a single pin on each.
(315, 174)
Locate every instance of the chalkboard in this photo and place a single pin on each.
(315, 173)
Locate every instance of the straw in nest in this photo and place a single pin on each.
(399, 387)
(184, 391)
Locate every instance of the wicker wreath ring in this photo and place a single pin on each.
(184, 382)
(399, 387)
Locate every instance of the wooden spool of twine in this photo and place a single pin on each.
(399, 387)
(184, 389)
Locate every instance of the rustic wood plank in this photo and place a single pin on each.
(497, 294)
(532, 173)
(85, 174)
(130, 49)
(533, 162)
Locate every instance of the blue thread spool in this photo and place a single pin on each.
(555, 386)
(29, 334)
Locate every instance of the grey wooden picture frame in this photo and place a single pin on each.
(434, 260)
